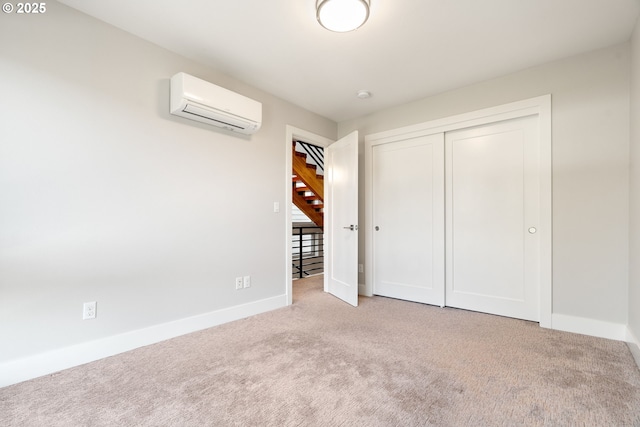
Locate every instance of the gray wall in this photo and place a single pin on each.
(590, 101)
(634, 255)
(106, 197)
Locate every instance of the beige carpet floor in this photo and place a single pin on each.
(321, 362)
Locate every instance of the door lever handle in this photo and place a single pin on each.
(351, 227)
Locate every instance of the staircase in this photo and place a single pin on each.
(308, 186)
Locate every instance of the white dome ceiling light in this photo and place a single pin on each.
(342, 15)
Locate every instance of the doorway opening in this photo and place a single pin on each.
(307, 210)
(340, 222)
(488, 196)
(295, 134)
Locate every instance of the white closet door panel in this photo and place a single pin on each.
(492, 201)
(408, 219)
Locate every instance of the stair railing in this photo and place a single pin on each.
(307, 248)
(314, 152)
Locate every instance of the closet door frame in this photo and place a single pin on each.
(538, 106)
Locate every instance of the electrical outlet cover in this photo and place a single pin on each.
(89, 310)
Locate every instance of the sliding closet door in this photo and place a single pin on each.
(492, 215)
(408, 219)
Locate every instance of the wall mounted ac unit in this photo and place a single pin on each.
(205, 102)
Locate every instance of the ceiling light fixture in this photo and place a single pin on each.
(342, 15)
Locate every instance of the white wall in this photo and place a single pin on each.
(106, 197)
(590, 101)
(634, 215)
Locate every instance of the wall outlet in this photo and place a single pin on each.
(360, 268)
(246, 281)
(89, 310)
(239, 283)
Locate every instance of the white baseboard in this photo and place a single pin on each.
(634, 346)
(19, 370)
(362, 289)
(595, 328)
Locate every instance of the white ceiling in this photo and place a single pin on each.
(409, 49)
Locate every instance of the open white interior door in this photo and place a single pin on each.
(341, 219)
